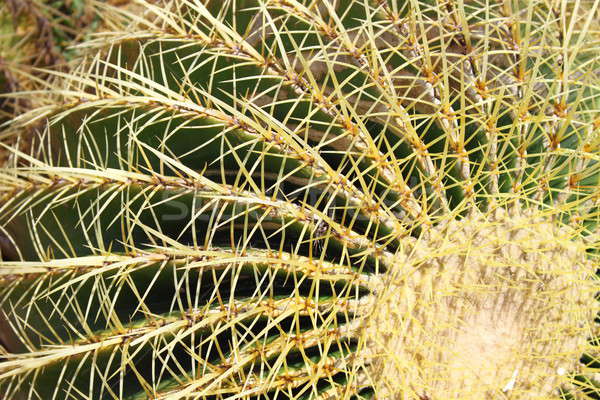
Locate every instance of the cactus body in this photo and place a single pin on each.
(285, 199)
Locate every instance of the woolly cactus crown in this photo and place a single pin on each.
(294, 199)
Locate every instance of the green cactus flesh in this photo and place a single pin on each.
(295, 199)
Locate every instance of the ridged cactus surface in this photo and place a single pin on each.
(295, 199)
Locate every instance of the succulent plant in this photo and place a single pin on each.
(287, 199)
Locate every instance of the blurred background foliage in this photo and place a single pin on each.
(42, 34)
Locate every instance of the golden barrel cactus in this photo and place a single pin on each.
(310, 199)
